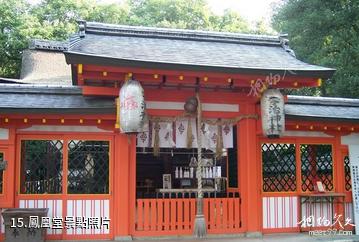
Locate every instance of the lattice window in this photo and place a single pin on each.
(88, 167)
(41, 166)
(317, 165)
(348, 179)
(278, 167)
(1, 174)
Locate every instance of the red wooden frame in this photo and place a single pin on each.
(7, 195)
(64, 196)
(8, 148)
(123, 154)
(338, 152)
(119, 74)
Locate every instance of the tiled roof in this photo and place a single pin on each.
(344, 109)
(51, 99)
(48, 45)
(23, 98)
(109, 44)
(182, 34)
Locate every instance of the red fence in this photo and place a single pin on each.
(176, 216)
(223, 215)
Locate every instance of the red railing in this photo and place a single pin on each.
(176, 216)
(223, 215)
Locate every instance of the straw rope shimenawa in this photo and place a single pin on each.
(189, 140)
(200, 229)
(209, 121)
(219, 122)
(219, 142)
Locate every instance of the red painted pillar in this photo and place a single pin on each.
(121, 187)
(8, 148)
(250, 173)
(339, 176)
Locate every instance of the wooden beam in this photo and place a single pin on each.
(329, 127)
(204, 76)
(100, 91)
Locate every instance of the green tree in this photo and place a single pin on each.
(230, 21)
(324, 33)
(109, 13)
(59, 17)
(50, 19)
(187, 14)
(17, 26)
(56, 20)
(260, 27)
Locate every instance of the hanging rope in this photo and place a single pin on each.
(189, 140)
(200, 229)
(207, 121)
(219, 142)
(199, 143)
(156, 140)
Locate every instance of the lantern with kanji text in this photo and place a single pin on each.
(132, 107)
(272, 110)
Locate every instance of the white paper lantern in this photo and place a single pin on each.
(132, 107)
(272, 109)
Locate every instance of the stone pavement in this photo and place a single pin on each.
(293, 237)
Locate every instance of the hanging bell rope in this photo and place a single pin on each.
(199, 147)
(200, 229)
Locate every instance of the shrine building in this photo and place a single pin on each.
(262, 165)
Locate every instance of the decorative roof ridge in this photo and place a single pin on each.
(323, 101)
(52, 45)
(73, 40)
(184, 34)
(285, 44)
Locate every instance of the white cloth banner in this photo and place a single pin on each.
(165, 135)
(143, 139)
(175, 135)
(181, 133)
(227, 134)
(210, 133)
(354, 173)
(209, 136)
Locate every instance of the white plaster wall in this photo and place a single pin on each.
(4, 134)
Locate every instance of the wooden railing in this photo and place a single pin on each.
(176, 216)
(223, 215)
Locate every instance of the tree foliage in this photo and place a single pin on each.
(15, 25)
(56, 20)
(325, 33)
(188, 14)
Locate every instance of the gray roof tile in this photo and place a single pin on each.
(51, 99)
(343, 109)
(23, 98)
(52, 45)
(229, 51)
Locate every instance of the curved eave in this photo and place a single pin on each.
(80, 58)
